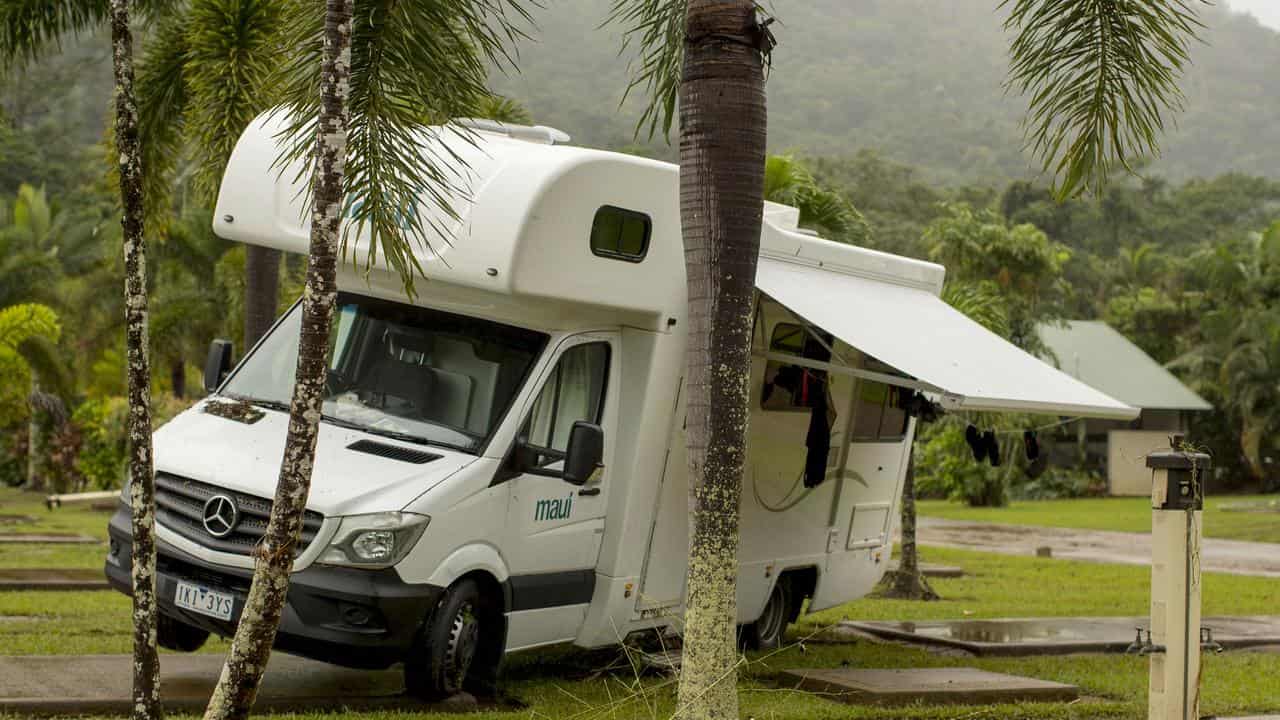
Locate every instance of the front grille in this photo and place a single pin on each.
(180, 507)
(195, 573)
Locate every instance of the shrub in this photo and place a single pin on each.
(103, 449)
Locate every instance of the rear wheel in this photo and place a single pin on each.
(459, 647)
(767, 632)
(176, 635)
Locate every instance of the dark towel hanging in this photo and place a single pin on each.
(974, 438)
(818, 439)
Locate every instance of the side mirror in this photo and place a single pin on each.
(217, 364)
(585, 453)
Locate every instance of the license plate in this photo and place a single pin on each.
(204, 601)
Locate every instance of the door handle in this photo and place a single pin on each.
(589, 491)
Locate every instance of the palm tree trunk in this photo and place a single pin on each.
(35, 481)
(261, 291)
(722, 156)
(238, 685)
(907, 582)
(146, 661)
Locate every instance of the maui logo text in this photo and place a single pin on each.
(553, 509)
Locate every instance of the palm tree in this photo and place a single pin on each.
(1100, 76)
(788, 181)
(380, 69)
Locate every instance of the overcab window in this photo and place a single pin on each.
(620, 234)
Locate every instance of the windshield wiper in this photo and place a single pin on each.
(393, 434)
(261, 402)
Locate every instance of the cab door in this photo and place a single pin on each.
(554, 529)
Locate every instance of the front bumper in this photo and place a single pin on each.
(345, 616)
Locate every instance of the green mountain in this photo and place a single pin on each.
(919, 80)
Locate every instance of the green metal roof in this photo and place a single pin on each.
(1098, 355)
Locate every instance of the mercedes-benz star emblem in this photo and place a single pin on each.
(220, 516)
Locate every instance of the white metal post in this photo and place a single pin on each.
(1177, 502)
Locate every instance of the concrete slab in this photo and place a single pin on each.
(930, 686)
(99, 685)
(932, 570)
(13, 579)
(47, 539)
(1060, 636)
(16, 519)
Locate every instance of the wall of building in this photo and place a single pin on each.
(1127, 451)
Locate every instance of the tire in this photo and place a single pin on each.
(769, 630)
(459, 646)
(176, 635)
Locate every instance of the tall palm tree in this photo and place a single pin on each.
(25, 30)
(380, 68)
(1101, 75)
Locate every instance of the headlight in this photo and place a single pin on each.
(374, 541)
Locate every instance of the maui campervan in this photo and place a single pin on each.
(501, 462)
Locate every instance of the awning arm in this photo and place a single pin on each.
(852, 372)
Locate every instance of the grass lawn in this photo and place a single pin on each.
(78, 519)
(1124, 514)
(565, 683)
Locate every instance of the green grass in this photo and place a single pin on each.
(1123, 514)
(77, 519)
(566, 683)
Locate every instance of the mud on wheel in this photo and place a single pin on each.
(459, 647)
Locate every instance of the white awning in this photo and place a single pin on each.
(918, 334)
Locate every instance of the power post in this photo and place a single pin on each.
(1174, 640)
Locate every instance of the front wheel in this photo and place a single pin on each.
(767, 632)
(459, 647)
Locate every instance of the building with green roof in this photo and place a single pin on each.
(1098, 355)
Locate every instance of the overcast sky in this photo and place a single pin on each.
(1267, 11)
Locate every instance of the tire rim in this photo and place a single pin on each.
(771, 622)
(464, 639)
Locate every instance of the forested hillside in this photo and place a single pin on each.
(918, 80)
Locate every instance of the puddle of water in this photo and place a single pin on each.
(1018, 631)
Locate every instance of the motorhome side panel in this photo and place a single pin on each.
(799, 421)
(866, 512)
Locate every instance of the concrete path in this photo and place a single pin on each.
(1216, 555)
(14, 579)
(99, 685)
(928, 686)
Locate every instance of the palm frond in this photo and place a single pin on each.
(161, 92)
(411, 63)
(655, 30)
(29, 27)
(231, 51)
(503, 109)
(1101, 75)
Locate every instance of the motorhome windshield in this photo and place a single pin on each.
(402, 371)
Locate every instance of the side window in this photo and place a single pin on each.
(620, 234)
(793, 387)
(573, 391)
(881, 414)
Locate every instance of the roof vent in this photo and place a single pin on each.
(393, 452)
(532, 133)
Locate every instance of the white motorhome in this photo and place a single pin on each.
(443, 527)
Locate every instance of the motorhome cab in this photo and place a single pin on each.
(501, 462)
